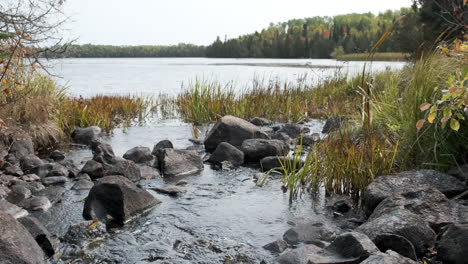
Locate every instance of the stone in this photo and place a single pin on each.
(257, 149)
(292, 130)
(57, 155)
(342, 206)
(139, 154)
(13, 170)
(36, 203)
(20, 191)
(396, 243)
(389, 257)
(12, 209)
(71, 167)
(274, 163)
(309, 140)
(384, 186)
(115, 200)
(102, 152)
(404, 223)
(453, 244)
(148, 172)
(42, 236)
(299, 255)
(82, 185)
(18, 141)
(94, 169)
(308, 232)
(54, 180)
(232, 130)
(7, 180)
(32, 186)
(227, 166)
(42, 170)
(29, 162)
(227, 152)
(283, 137)
(58, 170)
(79, 233)
(87, 135)
(175, 163)
(125, 168)
(30, 178)
(334, 122)
(16, 243)
(260, 121)
(163, 144)
(352, 245)
(277, 246)
(170, 190)
(53, 192)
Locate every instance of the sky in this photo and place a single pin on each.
(168, 22)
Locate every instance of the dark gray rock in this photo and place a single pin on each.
(404, 223)
(57, 155)
(36, 203)
(257, 149)
(227, 152)
(53, 192)
(308, 232)
(292, 130)
(7, 180)
(54, 180)
(71, 167)
(79, 233)
(58, 170)
(299, 255)
(232, 130)
(82, 185)
(29, 162)
(174, 163)
(94, 169)
(125, 168)
(283, 137)
(274, 163)
(13, 170)
(399, 244)
(334, 122)
(12, 209)
(384, 186)
(115, 200)
(453, 244)
(44, 239)
(138, 154)
(163, 144)
(170, 190)
(260, 121)
(18, 141)
(87, 135)
(277, 246)
(460, 173)
(309, 140)
(103, 152)
(20, 192)
(389, 257)
(42, 170)
(17, 246)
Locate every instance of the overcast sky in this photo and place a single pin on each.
(166, 22)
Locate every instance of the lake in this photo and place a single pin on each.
(152, 76)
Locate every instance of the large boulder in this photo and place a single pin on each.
(389, 257)
(227, 152)
(333, 123)
(87, 135)
(453, 244)
(115, 199)
(310, 232)
(385, 186)
(17, 246)
(257, 149)
(44, 239)
(233, 130)
(138, 154)
(178, 162)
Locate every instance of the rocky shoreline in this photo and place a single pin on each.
(407, 217)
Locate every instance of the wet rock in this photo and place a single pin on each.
(404, 223)
(309, 232)
(125, 168)
(115, 200)
(94, 169)
(77, 234)
(102, 152)
(260, 121)
(16, 243)
(232, 130)
(342, 206)
(460, 173)
(196, 141)
(292, 130)
(352, 245)
(299, 255)
(181, 183)
(274, 163)
(42, 236)
(36, 203)
(227, 152)
(453, 244)
(86, 135)
(163, 144)
(170, 190)
(309, 140)
(29, 162)
(58, 170)
(54, 193)
(389, 257)
(54, 180)
(57, 155)
(82, 185)
(283, 137)
(396, 243)
(174, 163)
(277, 246)
(83, 176)
(257, 149)
(384, 186)
(138, 154)
(334, 122)
(12, 209)
(3, 191)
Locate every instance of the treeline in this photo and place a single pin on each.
(322, 37)
(108, 51)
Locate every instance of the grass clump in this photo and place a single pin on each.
(378, 56)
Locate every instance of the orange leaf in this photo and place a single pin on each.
(424, 107)
(7, 91)
(420, 124)
(4, 81)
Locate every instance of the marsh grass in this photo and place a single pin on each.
(378, 56)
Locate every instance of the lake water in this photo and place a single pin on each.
(152, 76)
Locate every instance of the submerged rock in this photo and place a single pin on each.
(227, 152)
(257, 149)
(54, 180)
(138, 154)
(177, 162)
(87, 135)
(232, 130)
(57, 155)
(42, 236)
(115, 199)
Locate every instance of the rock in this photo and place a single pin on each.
(460, 173)
(103, 152)
(12, 209)
(404, 223)
(3, 191)
(170, 190)
(334, 122)
(13, 170)
(16, 243)
(257, 149)
(163, 144)
(309, 232)
(139, 154)
(20, 192)
(390, 257)
(232, 130)
(82, 185)
(277, 246)
(384, 186)
(174, 163)
(299, 255)
(227, 166)
(309, 140)
(30, 178)
(53, 192)
(83, 176)
(148, 172)
(42, 170)
(399, 244)
(36, 203)
(86, 135)
(342, 206)
(18, 141)
(292, 130)
(181, 183)
(453, 244)
(32, 186)
(94, 169)
(71, 167)
(79, 233)
(227, 152)
(7, 180)
(42, 236)
(274, 163)
(260, 121)
(58, 170)
(196, 141)
(125, 168)
(57, 155)
(29, 162)
(283, 137)
(352, 245)
(114, 200)
(54, 180)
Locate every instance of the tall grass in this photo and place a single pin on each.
(378, 56)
